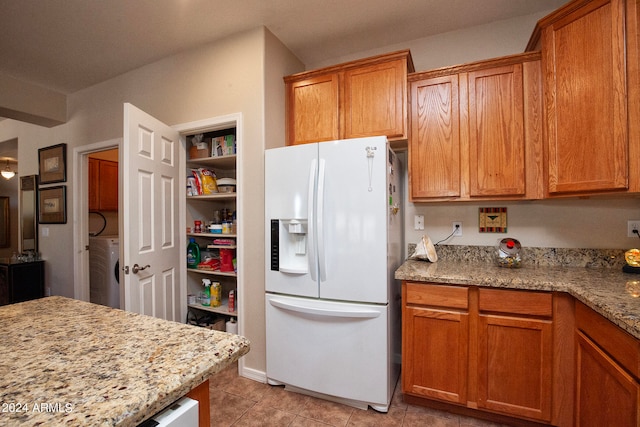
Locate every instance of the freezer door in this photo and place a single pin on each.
(337, 349)
(290, 186)
(352, 219)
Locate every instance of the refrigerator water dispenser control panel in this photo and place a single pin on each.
(289, 246)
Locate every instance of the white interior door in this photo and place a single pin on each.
(150, 253)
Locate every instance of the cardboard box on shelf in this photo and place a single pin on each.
(199, 151)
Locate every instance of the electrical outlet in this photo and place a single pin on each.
(457, 228)
(418, 222)
(633, 225)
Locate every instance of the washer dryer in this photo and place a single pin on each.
(103, 270)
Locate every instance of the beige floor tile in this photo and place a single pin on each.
(264, 416)
(371, 418)
(227, 408)
(331, 413)
(279, 398)
(422, 419)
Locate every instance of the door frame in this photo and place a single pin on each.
(80, 179)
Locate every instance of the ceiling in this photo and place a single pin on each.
(68, 45)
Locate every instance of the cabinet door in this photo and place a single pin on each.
(514, 366)
(312, 110)
(375, 100)
(434, 146)
(435, 354)
(496, 132)
(586, 99)
(94, 184)
(606, 394)
(108, 186)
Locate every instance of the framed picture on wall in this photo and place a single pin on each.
(52, 162)
(52, 205)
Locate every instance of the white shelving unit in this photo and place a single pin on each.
(202, 208)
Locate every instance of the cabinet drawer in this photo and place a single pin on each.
(516, 302)
(620, 345)
(437, 295)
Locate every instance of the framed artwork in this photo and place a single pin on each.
(52, 162)
(52, 205)
(492, 220)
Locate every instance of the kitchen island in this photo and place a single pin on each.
(69, 362)
(608, 291)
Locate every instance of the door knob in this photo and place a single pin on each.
(137, 268)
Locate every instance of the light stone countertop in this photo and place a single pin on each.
(608, 291)
(73, 363)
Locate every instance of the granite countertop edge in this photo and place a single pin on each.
(608, 291)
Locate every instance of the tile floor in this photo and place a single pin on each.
(238, 401)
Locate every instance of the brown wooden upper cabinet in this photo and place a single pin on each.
(591, 92)
(103, 185)
(362, 98)
(476, 131)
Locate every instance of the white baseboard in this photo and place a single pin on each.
(252, 374)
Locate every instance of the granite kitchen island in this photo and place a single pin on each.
(73, 363)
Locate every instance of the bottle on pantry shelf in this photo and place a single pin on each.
(216, 294)
(207, 292)
(193, 254)
(232, 301)
(197, 226)
(216, 217)
(232, 326)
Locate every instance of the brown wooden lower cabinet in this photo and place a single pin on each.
(487, 349)
(436, 342)
(607, 364)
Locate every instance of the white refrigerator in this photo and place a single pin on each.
(333, 242)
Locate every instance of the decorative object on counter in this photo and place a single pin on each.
(632, 258)
(492, 220)
(52, 163)
(53, 205)
(425, 250)
(633, 288)
(509, 253)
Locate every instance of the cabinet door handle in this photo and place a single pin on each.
(137, 268)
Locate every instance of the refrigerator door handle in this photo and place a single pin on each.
(347, 313)
(322, 259)
(311, 222)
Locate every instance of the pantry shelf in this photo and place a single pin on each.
(213, 272)
(222, 309)
(216, 196)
